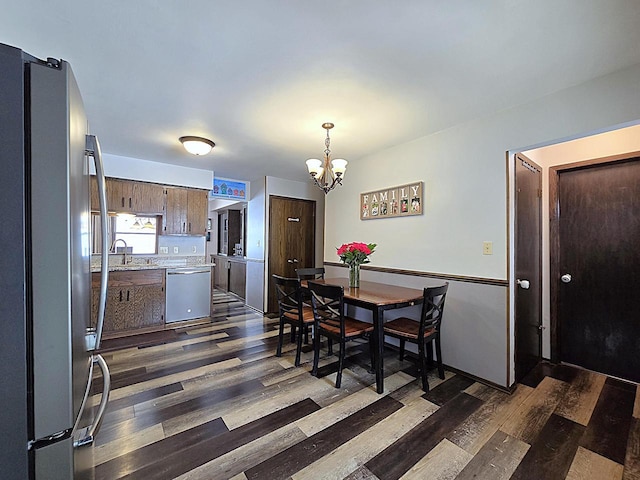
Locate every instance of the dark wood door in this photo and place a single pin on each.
(597, 276)
(528, 239)
(291, 239)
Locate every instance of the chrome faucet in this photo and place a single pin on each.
(113, 249)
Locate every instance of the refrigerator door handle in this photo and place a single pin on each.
(87, 435)
(92, 149)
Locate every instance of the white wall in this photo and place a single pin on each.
(464, 170)
(149, 171)
(465, 173)
(255, 246)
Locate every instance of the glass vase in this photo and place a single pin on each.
(354, 275)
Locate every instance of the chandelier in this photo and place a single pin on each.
(328, 173)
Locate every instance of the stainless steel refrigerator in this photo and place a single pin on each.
(48, 342)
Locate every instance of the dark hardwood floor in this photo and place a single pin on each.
(213, 402)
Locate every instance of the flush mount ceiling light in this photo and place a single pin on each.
(197, 145)
(328, 173)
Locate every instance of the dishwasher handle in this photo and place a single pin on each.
(186, 272)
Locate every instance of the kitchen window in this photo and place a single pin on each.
(139, 233)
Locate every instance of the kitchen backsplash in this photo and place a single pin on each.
(116, 260)
(172, 251)
(175, 245)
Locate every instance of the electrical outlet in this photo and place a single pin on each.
(164, 250)
(176, 250)
(487, 248)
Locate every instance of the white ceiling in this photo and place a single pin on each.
(260, 77)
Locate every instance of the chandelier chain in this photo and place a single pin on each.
(327, 142)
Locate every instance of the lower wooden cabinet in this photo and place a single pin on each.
(221, 271)
(135, 300)
(230, 275)
(237, 278)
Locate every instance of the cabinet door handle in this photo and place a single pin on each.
(130, 204)
(122, 202)
(127, 295)
(120, 295)
(184, 227)
(189, 227)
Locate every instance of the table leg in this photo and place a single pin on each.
(379, 346)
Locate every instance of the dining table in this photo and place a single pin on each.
(376, 297)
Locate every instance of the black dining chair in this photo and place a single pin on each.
(329, 320)
(311, 273)
(292, 311)
(425, 331)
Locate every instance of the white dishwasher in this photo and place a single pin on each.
(188, 293)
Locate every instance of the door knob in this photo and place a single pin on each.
(524, 284)
(566, 278)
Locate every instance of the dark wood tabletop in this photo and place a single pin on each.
(378, 294)
(376, 297)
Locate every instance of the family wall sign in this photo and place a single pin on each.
(398, 201)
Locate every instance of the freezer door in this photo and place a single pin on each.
(59, 461)
(60, 249)
(13, 310)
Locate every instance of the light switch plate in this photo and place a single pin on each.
(164, 249)
(176, 250)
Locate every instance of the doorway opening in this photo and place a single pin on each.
(617, 141)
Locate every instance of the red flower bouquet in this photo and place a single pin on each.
(356, 253)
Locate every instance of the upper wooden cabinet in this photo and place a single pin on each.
(95, 200)
(175, 220)
(148, 198)
(186, 211)
(197, 211)
(126, 196)
(119, 195)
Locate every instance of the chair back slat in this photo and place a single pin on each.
(289, 294)
(310, 273)
(433, 308)
(328, 304)
(292, 311)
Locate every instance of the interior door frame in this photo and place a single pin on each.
(531, 165)
(554, 240)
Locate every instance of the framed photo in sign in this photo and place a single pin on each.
(400, 201)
